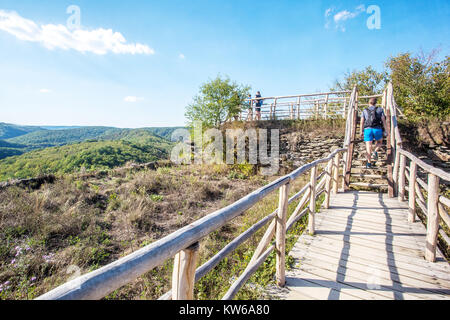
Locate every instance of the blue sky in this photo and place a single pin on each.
(147, 69)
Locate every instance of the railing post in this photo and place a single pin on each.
(312, 201)
(328, 184)
(432, 217)
(274, 112)
(326, 106)
(395, 173)
(337, 160)
(412, 191)
(183, 277)
(389, 146)
(280, 233)
(401, 178)
(345, 108)
(350, 147)
(298, 108)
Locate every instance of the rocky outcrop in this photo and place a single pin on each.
(33, 183)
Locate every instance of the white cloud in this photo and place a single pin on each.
(181, 56)
(132, 99)
(98, 41)
(45, 90)
(340, 17)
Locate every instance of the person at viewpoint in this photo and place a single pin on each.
(258, 105)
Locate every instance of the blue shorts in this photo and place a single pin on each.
(371, 134)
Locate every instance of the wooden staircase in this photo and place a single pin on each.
(362, 178)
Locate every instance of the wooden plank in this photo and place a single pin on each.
(367, 217)
(317, 257)
(312, 287)
(325, 289)
(400, 235)
(420, 266)
(422, 273)
(357, 281)
(361, 233)
(376, 222)
(365, 275)
(366, 241)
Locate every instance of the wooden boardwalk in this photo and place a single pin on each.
(365, 248)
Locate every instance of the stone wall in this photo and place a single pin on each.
(297, 148)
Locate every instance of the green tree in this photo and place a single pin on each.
(218, 100)
(421, 85)
(369, 81)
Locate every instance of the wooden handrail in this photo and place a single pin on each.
(323, 103)
(101, 282)
(182, 244)
(301, 95)
(428, 168)
(432, 207)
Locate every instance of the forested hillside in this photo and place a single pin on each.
(8, 130)
(17, 140)
(91, 155)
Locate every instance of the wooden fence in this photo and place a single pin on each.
(306, 106)
(406, 177)
(183, 244)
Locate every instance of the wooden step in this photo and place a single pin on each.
(368, 185)
(364, 170)
(368, 176)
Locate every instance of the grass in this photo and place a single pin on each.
(88, 221)
(84, 222)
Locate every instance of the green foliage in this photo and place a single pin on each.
(43, 138)
(163, 132)
(369, 81)
(242, 171)
(51, 138)
(89, 155)
(218, 100)
(421, 85)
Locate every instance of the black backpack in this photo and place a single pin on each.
(373, 119)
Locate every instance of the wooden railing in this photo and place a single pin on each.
(432, 204)
(305, 106)
(183, 244)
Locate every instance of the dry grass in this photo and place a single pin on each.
(90, 221)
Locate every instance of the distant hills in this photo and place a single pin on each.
(27, 151)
